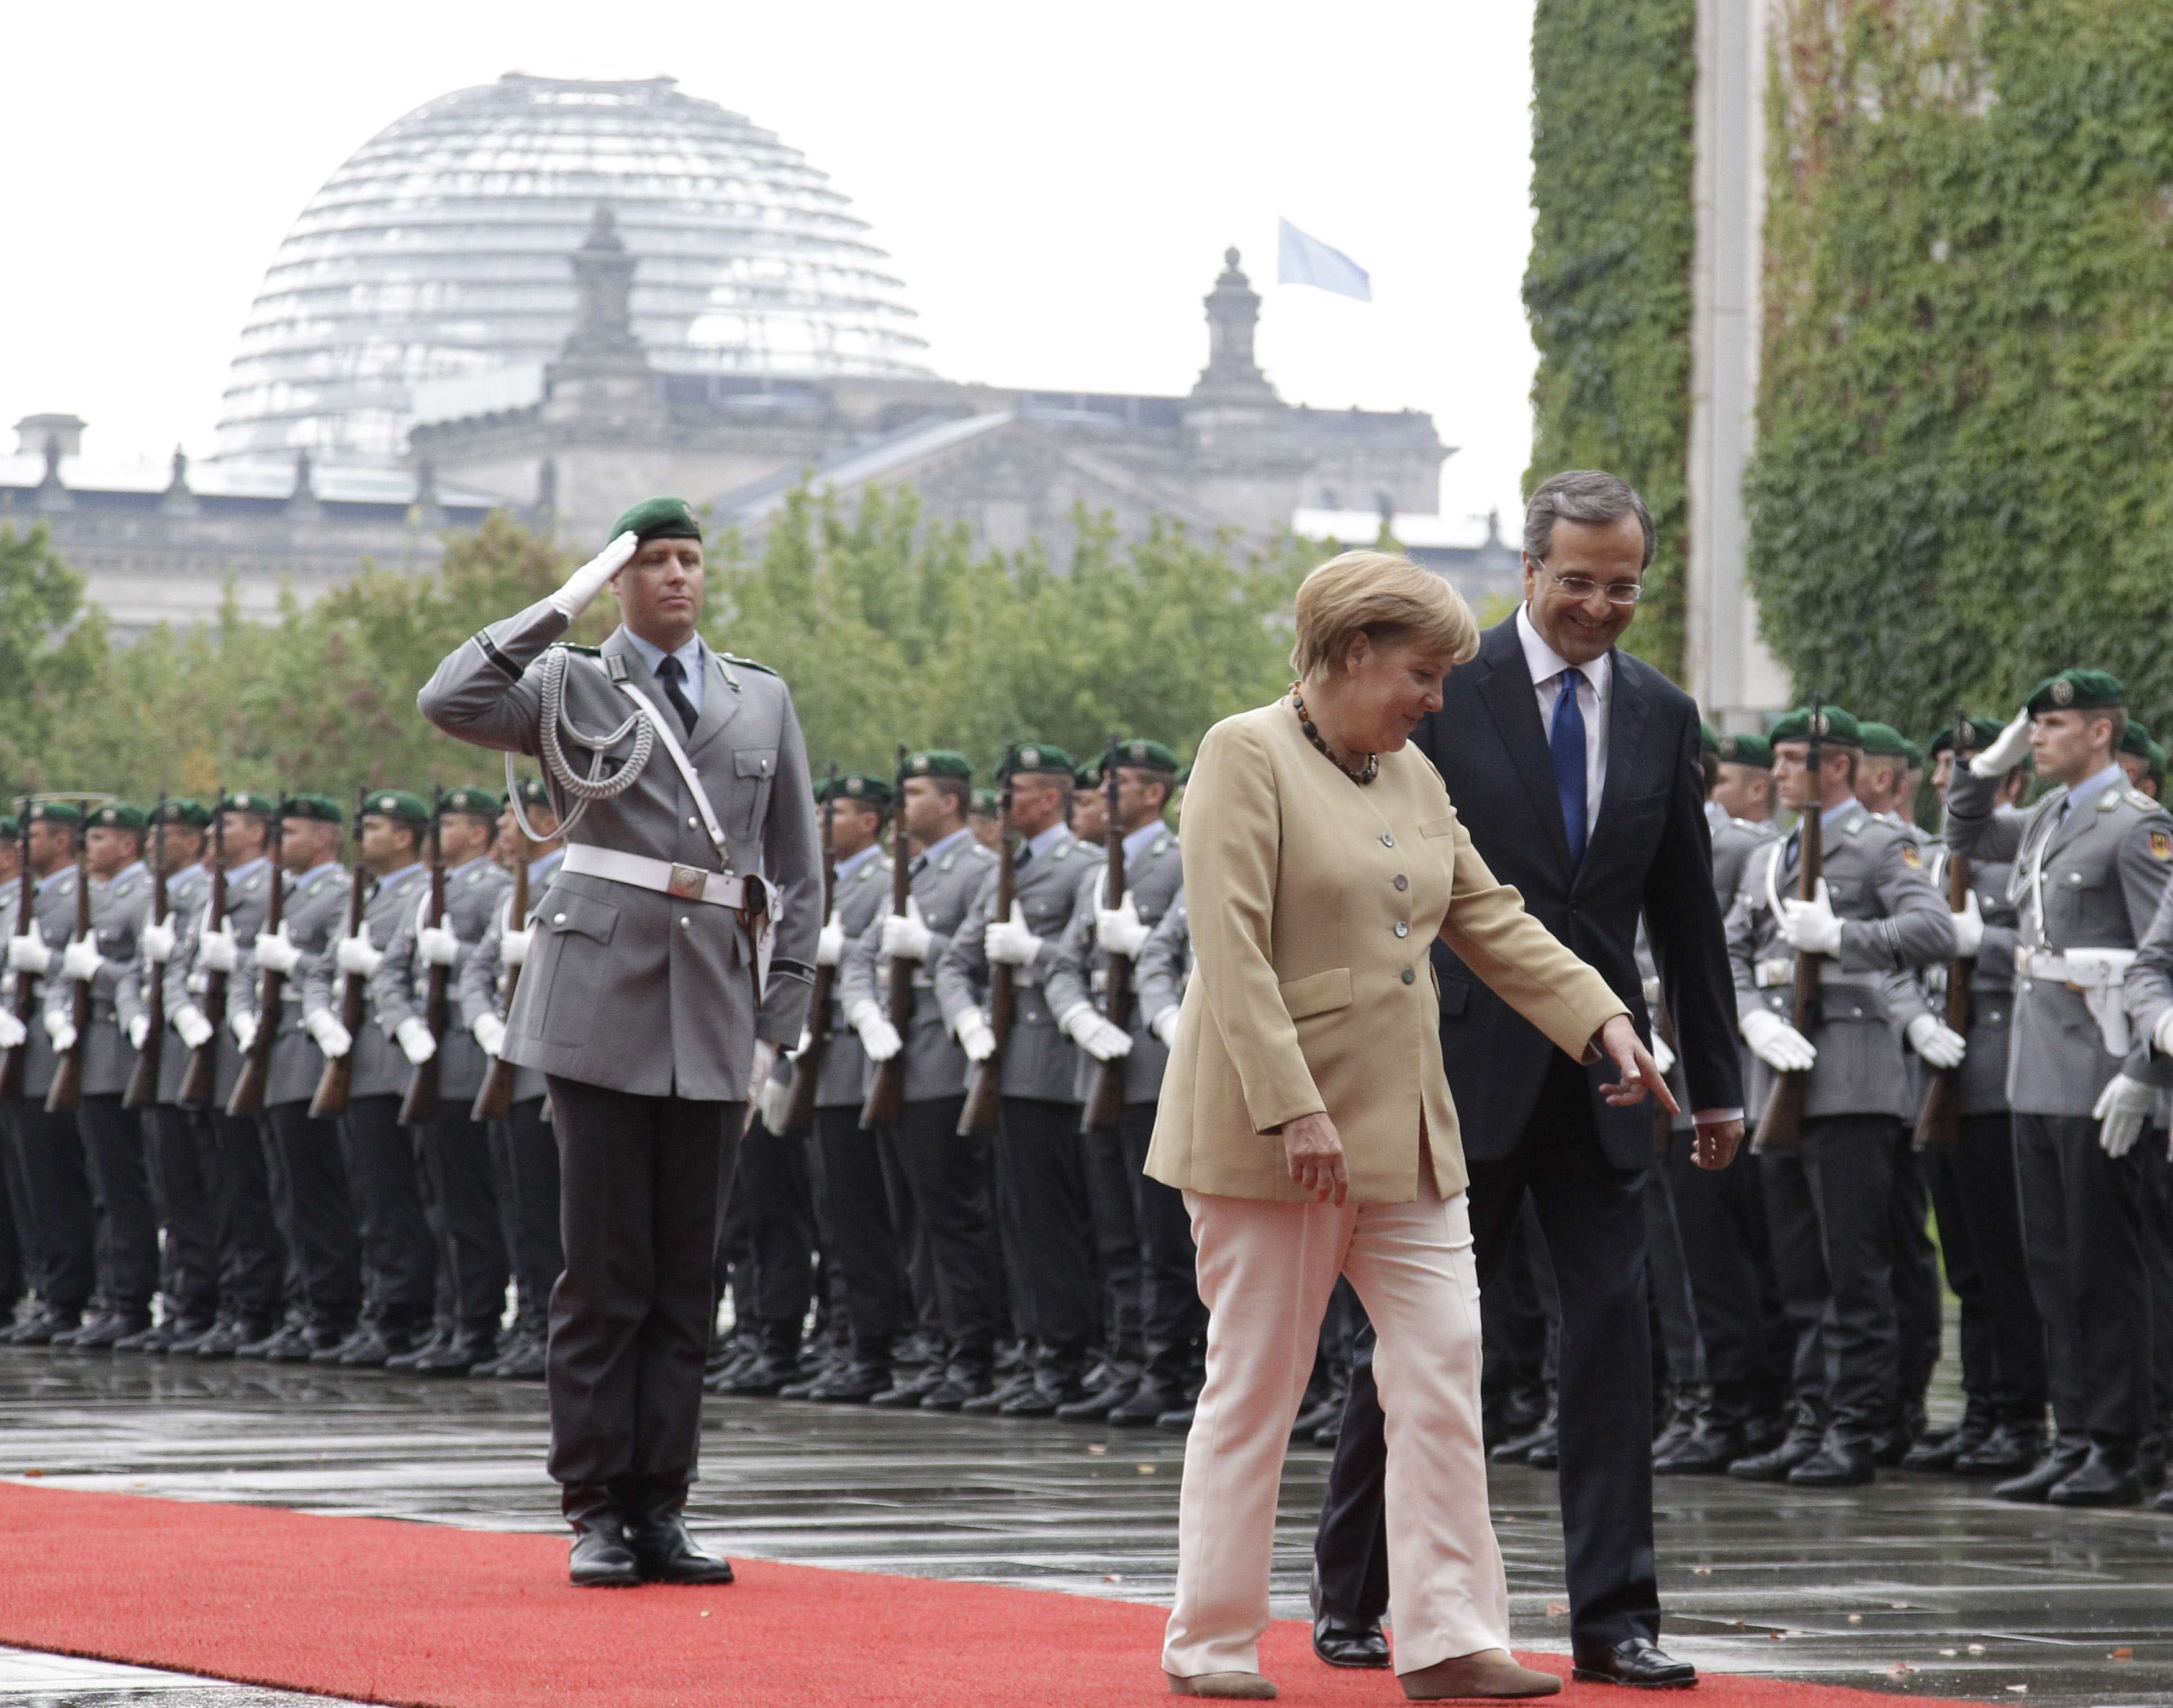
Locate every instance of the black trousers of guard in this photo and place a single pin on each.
(252, 1260)
(853, 1217)
(630, 1314)
(1729, 1257)
(1594, 1219)
(129, 1241)
(531, 1150)
(2083, 1237)
(1917, 1302)
(399, 1256)
(184, 1174)
(1117, 1264)
(1173, 1322)
(947, 1177)
(913, 1248)
(57, 1174)
(321, 1216)
(768, 1208)
(24, 1271)
(2003, 1341)
(456, 1151)
(1051, 1257)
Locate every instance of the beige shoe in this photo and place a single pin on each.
(1489, 1673)
(1247, 1686)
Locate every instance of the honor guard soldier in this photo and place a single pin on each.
(2135, 756)
(1090, 805)
(528, 831)
(984, 816)
(112, 1136)
(946, 1173)
(454, 1147)
(1172, 1323)
(177, 1141)
(2090, 862)
(1046, 1212)
(19, 1262)
(676, 956)
(1874, 919)
(399, 1254)
(54, 1168)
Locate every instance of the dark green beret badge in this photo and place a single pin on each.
(939, 761)
(1754, 750)
(1036, 758)
(1140, 754)
(317, 809)
(1837, 728)
(482, 803)
(2078, 691)
(118, 815)
(399, 804)
(857, 785)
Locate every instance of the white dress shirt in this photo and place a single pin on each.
(1546, 666)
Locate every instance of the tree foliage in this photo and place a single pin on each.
(51, 649)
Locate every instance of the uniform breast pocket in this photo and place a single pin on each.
(753, 768)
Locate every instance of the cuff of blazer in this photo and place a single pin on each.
(1714, 1117)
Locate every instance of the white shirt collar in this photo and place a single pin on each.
(1545, 663)
(2112, 776)
(853, 863)
(1138, 842)
(1039, 845)
(936, 849)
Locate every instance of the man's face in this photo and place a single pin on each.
(464, 836)
(931, 815)
(854, 826)
(2137, 768)
(2068, 746)
(659, 591)
(110, 849)
(1745, 792)
(1943, 768)
(1791, 774)
(1140, 795)
(387, 843)
(184, 845)
(1877, 781)
(306, 844)
(1037, 801)
(1608, 556)
(1090, 814)
(11, 860)
(243, 836)
(52, 845)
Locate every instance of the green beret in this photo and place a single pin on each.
(11, 828)
(2077, 691)
(54, 812)
(532, 792)
(1837, 728)
(1754, 750)
(482, 803)
(659, 518)
(1183, 774)
(1139, 754)
(1035, 758)
(248, 800)
(117, 815)
(1708, 739)
(1913, 753)
(857, 785)
(1881, 741)
(400, 804)
(1087, 776)
(2157, 757)
(939, 761)
(2136, 739)
(1976, 734)
(987, 801)
(319, 809)
(183, 810)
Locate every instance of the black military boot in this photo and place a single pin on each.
(106, 1334)
(2067, 1457)
(908, 1388)
(1059, 1379)
(2015, 1445)
(859, 1379)
(476, 1343)
(601, 1557)
(2106, 1477)
(1940, 1450)
(1804, 1435)
(1544, 1436)
(1689, 1405)
(967, 1383)
(1171, 1379)
(663, 1551)
(776, 1362)
(528, 1360)
(1845, 1460)
(1891, 1444)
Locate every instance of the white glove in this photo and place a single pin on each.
(158, 939)
(1812, 927)
(1100, 1038)
(772, 1103)
(413, 1035)
(216, 950)
(906, 936)
(1165, 1026)
(1120, 930)
(440, 946)
(1664, 1058)
(13, 1032)
(61, 1029)
(513, 946)
(806, 1043)
(764, 1065)
(275, 950)
(189, 1022)
(29, 953)
(243, 1025)
(2009, 751)
(1939, 1044)
(2122, 1108)
(80, 960)
(878, 1036)
(1776, 1043)
(973, 1034)
(1008, 942)
(2161, 1038)
(583, 586)
(139, 1029)
(1969, 929)
(332, 1037)
(489, 1032)
(830, 944)
(357, 956)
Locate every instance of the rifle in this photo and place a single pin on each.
(800, 1112)
(1939, 1116)
(248, 1098)
(985, 1095)
(26, 1006)
(886, 1099)
(1105, 1103)
(144, 1078)
(200, 1076)
(66, 1092)
(421, 1103)
(1781, 1127)
(493, 1099)
(334, 1084)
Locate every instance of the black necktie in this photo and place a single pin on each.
(670, 672)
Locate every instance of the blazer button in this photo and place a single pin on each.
(693, 824)
(1410, 976)
(686, 924)
(1387, 841)
(1402, 883)
(1403, 928)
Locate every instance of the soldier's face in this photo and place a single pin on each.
(183, 846)
(853, 827)
(659, 591)
(1744, 791)
(1140, 795)
(306, 844)
(387, 844)
(930, 814)
(1089, 815)
(1792, 774)
(11, 860)
(1037, 801)
(244, 835)
(1597, 556)
(464, 836)
(110, 850)
(51, 847)
(2069, 746)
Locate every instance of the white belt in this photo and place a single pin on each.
(2085, 970)
(665, 877)
(1765, 975)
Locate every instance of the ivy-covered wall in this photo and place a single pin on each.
(1963, 478)
(1608, 289)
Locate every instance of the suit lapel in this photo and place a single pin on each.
(720, 703)
(1506, 688)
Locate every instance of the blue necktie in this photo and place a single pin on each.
(1566, 743)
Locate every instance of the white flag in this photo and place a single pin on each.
(1307, 260)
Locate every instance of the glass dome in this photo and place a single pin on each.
(442, 250)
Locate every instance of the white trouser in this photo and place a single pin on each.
(1266, 1273)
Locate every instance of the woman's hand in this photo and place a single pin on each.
(1640, 1072)
(1314, 1151)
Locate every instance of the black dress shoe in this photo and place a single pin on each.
(42, 1328)
(1774, 1463)
(1707, 1451)
(2163, 1503)
(159, 1338)
(263, 1345)
(229, 1339)
(1018, 1383)
(2065, 1458)
(853, 1383)
(1841, 1463)
(1544, 1434)
(2009, 1450)
(404, 1363)
(663, 1551)
(1636, 1662)
(528, 1360)
(759, 1378)
(1546, 1452)
(109, 1330)
(602, 1557)
(305, 1344)
(1342, 1642)
(1176, 1421)
(961, 1386)
(1095, 1404)
(1145, 1403)
(368, 1347)
(2106, 1478)
(459, 1356)
(1313, 1418)
(909, 1387)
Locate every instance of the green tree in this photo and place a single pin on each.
(52, 649)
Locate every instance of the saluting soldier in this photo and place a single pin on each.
(1874, 919)
(2090, 861)
(1172, 1321)
(454, 1147)
(945, 1174)
(675, 958)
(1046, 1212)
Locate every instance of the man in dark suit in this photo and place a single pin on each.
(1576, 767)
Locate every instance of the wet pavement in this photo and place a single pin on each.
(1918, 1585)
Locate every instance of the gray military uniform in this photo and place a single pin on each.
(118, 907)
(863, 899)
(482, 975)
(399, 988)
(1078, 969)
(52, 916)
(315, 918)
(944, 885)
(248, 897)
(185, 891)
(380, 1070)
(1991, 984)
(1165, 964)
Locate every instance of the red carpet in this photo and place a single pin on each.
(381, 1611)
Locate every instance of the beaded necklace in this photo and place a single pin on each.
(1305, 723)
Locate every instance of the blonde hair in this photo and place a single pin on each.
(1386, 598)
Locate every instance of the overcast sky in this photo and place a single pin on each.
(1055, 183)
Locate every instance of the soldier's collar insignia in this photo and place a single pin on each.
(615, 666)
(1161, 844)
(947, 863)
(2111, 800)
(2161, 845)
(2136, 797)
(1854, 825)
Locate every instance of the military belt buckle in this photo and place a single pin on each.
(688, 883)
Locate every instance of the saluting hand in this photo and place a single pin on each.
(1640, 1072)
(1313, 1151)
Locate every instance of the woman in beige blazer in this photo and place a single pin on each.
(1305, 1118)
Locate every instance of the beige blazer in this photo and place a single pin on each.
(1312, 904)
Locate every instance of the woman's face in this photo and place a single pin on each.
(1388, 687)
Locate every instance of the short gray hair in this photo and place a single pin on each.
(1586, 495)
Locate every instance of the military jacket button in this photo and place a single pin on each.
(1410, 976)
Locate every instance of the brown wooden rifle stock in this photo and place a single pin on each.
(66, 1092)
(201, 1077)
(421, 1103)
(26, 920)
(984, 1094)
(1105, 1102)
(248, 1097)
(144, 1078)
(338, 1079)
(800, 1108)
(886, 1098)
(1780, 1126)
(1939, 1117)
(493, 1098)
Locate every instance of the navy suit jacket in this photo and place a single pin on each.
(1650, 853)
